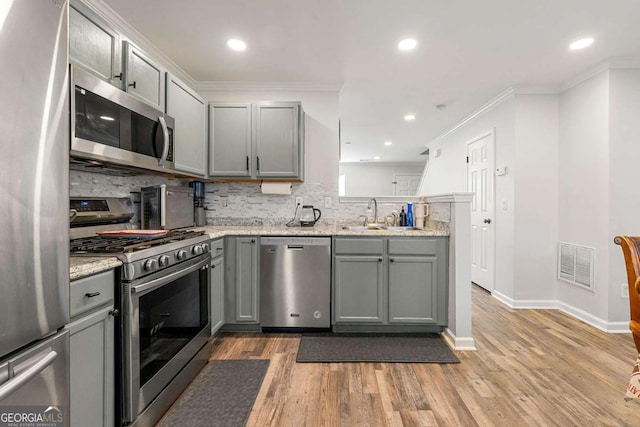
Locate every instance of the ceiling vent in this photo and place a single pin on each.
(576, 265)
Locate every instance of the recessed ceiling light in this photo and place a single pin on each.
(407, 44)
(236, 44)
(388, 143)
(410, 117)
(376, 157)
(581, 44)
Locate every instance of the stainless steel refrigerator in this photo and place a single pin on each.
(34, 203)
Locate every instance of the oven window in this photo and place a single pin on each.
(170, 317)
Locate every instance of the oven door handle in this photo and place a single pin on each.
(161, 281)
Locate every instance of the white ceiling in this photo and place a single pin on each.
(468, 52)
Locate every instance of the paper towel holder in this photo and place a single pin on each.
(276, 182)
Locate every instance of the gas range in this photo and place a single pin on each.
(141, 254)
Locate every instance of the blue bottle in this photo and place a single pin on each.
(409, 215)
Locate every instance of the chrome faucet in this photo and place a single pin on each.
(375, 209)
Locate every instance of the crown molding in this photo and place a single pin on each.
(608, 64)
(267, 86)
(536, 90)
(112, 18)
(507, 94)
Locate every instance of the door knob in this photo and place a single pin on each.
(487, 221)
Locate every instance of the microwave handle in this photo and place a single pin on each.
(165, 135)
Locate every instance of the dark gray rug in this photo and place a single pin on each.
(401, 348)
(222, 395)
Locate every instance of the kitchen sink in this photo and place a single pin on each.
(400, 228)
(369, 227)
(374, 227)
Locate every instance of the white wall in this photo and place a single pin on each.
(624, 203)
(374, 179)
(583, 189)
(448, 173)
(535, 173)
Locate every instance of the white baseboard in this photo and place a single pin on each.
(588, 318)
(459, 343)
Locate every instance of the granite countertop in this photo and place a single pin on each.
(84, 266)
(267, 230)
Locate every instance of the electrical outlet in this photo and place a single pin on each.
(624, 291)
(298, 201)
(327, 202)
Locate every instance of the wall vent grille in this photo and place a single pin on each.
(576, 265)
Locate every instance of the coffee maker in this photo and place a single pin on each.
(200, 216)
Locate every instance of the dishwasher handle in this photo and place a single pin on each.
(295, 247)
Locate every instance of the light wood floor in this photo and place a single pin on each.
(532, 368)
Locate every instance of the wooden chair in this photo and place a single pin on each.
(631, 250)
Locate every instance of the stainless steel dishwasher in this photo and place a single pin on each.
(295, 282)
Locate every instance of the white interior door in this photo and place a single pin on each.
(406, 184)
(480, 183)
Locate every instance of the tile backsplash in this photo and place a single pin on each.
(242, 203)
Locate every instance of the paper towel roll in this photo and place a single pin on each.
(276, 188)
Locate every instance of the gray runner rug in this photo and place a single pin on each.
(222, 395)
(401, 348)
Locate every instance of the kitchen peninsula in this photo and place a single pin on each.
(458, 330)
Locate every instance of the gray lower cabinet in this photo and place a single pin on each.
(93, 44)
(413, 289)
(217, 285)
(241, 280)
(190, 134)
(390, 281)
(358, 289)
(92, 350)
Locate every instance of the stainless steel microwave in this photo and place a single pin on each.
(110, 126)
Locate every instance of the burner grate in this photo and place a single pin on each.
(115, 244)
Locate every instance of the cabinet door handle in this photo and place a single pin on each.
(91, 294)
(390, 259)
(247, 162)
(253, 240)
(379, 259)
(133, 85)
(258, 167)
(118, 76)
(114, 312)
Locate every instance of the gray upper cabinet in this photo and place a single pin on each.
(143, 78)
(94, 45)
(230, 140)
(260, 140)
(190, 135)
(277, 139)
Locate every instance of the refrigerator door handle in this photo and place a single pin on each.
(21, 379)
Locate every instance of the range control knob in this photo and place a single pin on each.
(150, 264)
(182, 254)
(163, 261)
(206, 247)
(196, 250)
